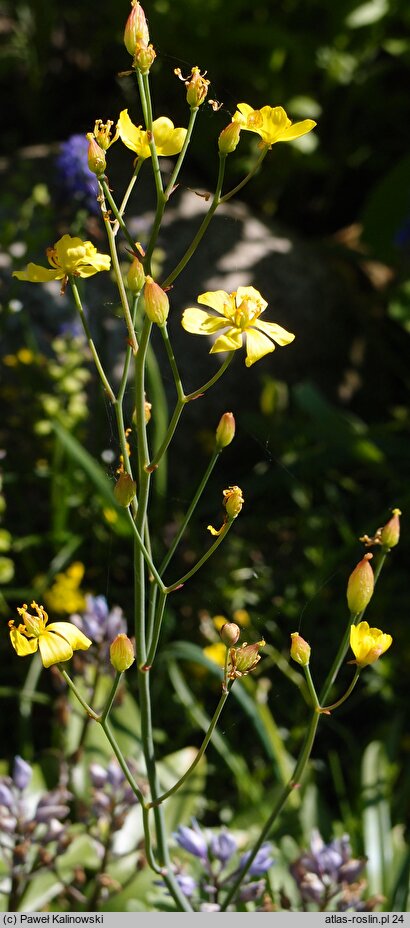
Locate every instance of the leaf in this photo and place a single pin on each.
(96, 475)
(376, 817)
(41, 890)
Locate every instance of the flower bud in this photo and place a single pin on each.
(229, 138)
(233, 501)
(136, 29)
(144, 57)
(136, 276)
(156, 302)
(95, 156)
(225, 431)
(125, 489)
(299, 650)
(121, 653)
(230, 633)
(360, 586)
(390, 533)
(22, 773)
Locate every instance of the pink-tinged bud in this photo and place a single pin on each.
(244, 659)
(156, 302)
(125, 490)
(390, 533)
(197, 88)
(233, 501)
(136, 29)
(225, 431)
(144, 57)
(121, 653)
(360, 586)
(136, 276)
(95, 156)
(299, 650)
(230, 633)
(229, 138)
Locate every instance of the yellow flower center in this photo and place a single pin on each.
(34, 625)
(246, 314)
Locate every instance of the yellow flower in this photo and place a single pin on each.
(56, 642)
(368, 644)
(216, 652)
(271, 123)
(69, 256)
(65, 595)
(239, 314)
(168, 140)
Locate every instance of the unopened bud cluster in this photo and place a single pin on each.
(136, 39)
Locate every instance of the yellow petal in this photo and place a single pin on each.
(198, 322)
(54, 649)
(276, 332)
(218, 300)
(38, 275)
(296, 130)
(250, 293)
(168, 141)
(257, 345)
(133, 137)
(230, 341)
(72, 634)
(243, 110)
(21, 644)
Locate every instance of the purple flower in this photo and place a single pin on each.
(74, 176)
(186, 883)
(251, 891)
(223, 846)
(98, 622)
(192, 840)
(98, 775)
(262, 862)
(6, 796)
(22, 773)
(115, 774)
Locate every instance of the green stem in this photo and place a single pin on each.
(145, 553)
(202, 561)
(177, 168)
(189, 512)
(122, 762)
(339, 702)
(248, 177)
(128, 353)
(209, 383)
(311, 687)
(103, 377)
(156, 630)
(126, 197)
(172, 363)
(199, 755)
(203, 227)
(117, 213)
(118, 276)
(73, 688)
(149, 754)
(111, 697)
(285, 792)
(176, 415)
